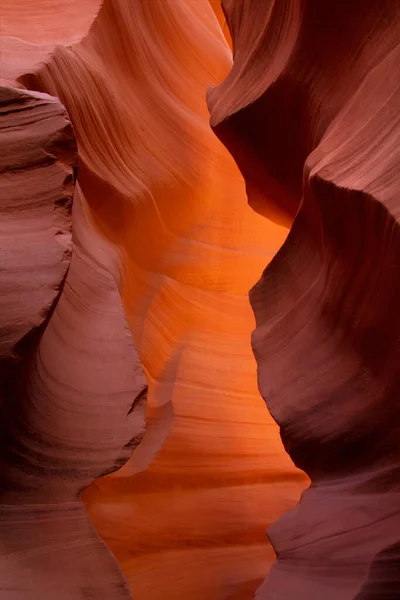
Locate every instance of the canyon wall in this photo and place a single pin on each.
(310, 111)
(69, 374)
(187, 514)
(142, 312)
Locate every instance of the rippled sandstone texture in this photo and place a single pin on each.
(36, 187)
(310, 111)
(186, 516)
(69, 375)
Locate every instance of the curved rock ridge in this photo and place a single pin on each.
(186, 515)
(310, 111)
(72, 406)
(36, 187)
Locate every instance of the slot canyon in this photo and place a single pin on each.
(199, 300)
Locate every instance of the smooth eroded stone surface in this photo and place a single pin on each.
(72, 398)
(310, 111)
(36, 187)
(186, 516)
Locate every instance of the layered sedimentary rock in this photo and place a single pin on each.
(310, 114)
(71, 383)
(310, 111)
(186, 516)
(36, 187)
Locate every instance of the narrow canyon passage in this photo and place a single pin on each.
(187, 515)
(199, 327)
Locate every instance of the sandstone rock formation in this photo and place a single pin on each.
(164, 243)
(310, 110)
(186, 516)
(217, 7)
(69, 372)
(31, 30)
(36, 186)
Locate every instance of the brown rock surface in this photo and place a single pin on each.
(310, 110)
(36, 187)
(69, 372)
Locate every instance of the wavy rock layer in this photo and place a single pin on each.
(69, 372)
(310, 111)
(186, 516)
(36, 187)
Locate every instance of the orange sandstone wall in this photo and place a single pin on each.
(217, 7)
(186, 516)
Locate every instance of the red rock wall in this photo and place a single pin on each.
(164, 249)
(187, 515)
(310, 112)
(69, 374)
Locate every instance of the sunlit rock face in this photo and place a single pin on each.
(217, 7)
(310, 111)
(186, 516)
(71, 383)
